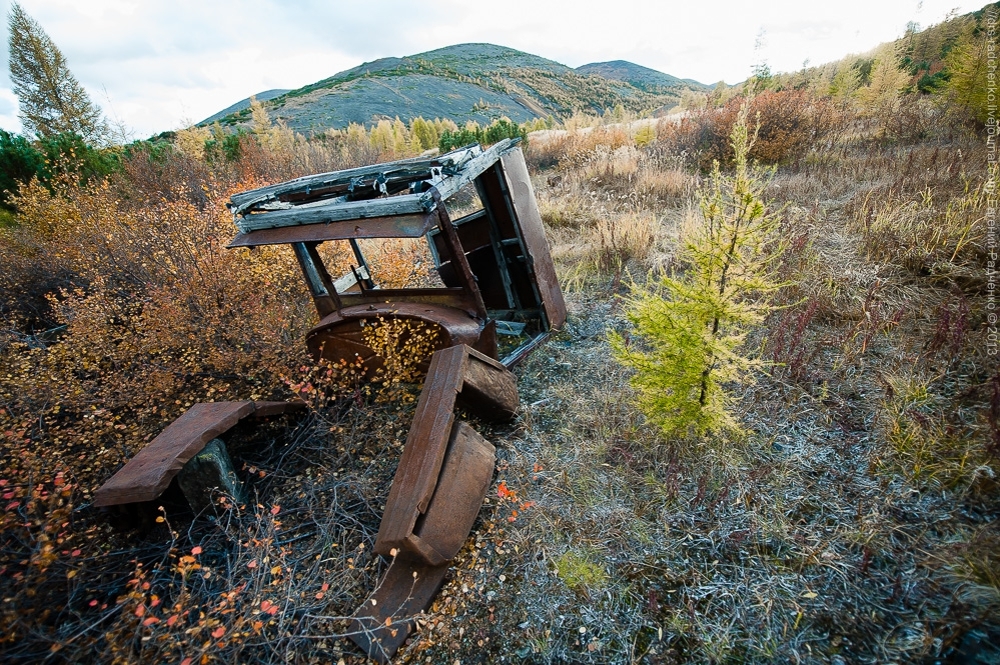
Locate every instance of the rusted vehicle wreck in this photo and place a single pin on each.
(496, 278)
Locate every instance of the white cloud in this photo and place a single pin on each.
(162, 62)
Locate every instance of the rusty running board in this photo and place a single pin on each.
(440, 484)
(147, 475)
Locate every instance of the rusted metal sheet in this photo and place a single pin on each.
(489, 390)
(461, 487)
(386, 618)
(149, 473)
(410, 583)
(461, 262)
(533, 234)
(485, 386)
(426, 444)
(341, 334)
(401, 226)
(455, 298)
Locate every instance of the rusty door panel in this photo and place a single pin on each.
(483, 384)
(533, 233)
(419, 467)
(465, 478)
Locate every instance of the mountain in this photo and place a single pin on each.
(243, 104)
(478, 82)
(641, 77)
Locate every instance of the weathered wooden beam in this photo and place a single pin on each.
(399, 226)
(337, 211)
(475, 167)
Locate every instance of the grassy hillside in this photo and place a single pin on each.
(478, 82)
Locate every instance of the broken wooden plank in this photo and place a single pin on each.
(337, 211)
(400, 226)
(149, 473)
(475, 167)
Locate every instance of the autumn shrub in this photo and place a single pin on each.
(163, 316)
(622, 239)
(151, 313)
(790, 122)
(575, 146)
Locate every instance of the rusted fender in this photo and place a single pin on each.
(485, 386)
(148, 474)
(341, 334)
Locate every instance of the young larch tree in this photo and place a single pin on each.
(51, 100)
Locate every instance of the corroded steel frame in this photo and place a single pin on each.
(494, 263)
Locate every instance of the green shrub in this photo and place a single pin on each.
(498, 130)
(19, 163)
(50, 157)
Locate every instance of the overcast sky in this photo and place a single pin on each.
(158, 65)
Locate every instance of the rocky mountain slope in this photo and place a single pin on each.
(464, 82)
(641, 77)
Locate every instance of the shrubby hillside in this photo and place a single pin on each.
(478, 82)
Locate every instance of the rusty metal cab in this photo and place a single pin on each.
(493, 264)
(494, 278)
